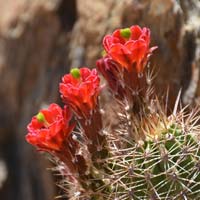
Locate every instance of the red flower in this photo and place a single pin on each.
(80, 90)
(129, 46)
(111, 72)
(49, 129)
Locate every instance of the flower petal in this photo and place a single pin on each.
(136, 32)
(120, 54)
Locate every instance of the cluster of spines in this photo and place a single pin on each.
(164, 166)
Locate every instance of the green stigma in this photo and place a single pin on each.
(40, 117)
(75, 72)
(103, 53)
(125, 32)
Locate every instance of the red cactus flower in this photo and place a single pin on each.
(111, 72)
(122, 83)
(80, 90)
(129, 46)
(49, 129)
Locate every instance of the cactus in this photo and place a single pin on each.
(127, 147)
(164, 165)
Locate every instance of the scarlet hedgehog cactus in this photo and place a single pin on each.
(147, 154)
(127, 54)
(50, 131)
(50, 128)
(80, 90)
(128, 46)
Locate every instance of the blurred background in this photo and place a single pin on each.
(41, 39)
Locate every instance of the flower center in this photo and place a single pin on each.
(75, 72)
(125, 32)
(103, 53)
(40, 117)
